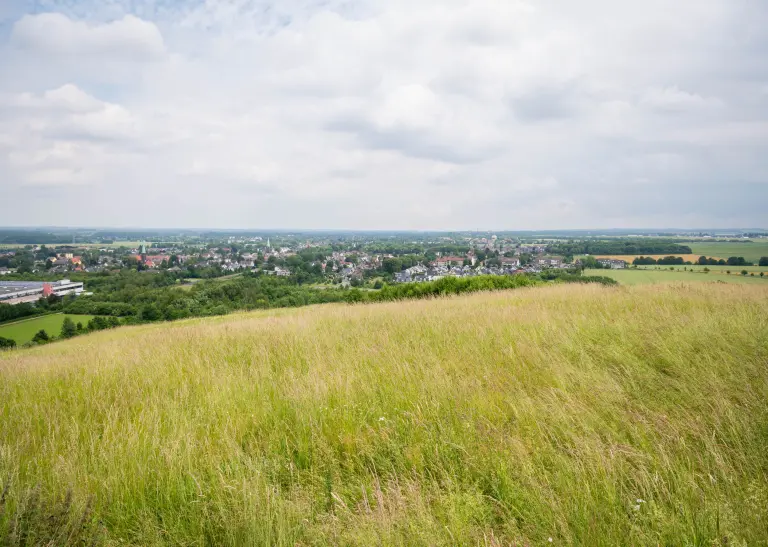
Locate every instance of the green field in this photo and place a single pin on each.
(129, 244)
(642, 276)
(555, 415)
(23, 331)
(750, 251)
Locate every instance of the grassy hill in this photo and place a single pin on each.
(585, 414)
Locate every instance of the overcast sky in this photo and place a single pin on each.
(384, 114)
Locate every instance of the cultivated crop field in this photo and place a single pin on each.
(723, 249)
(23, 331)
(585, 414)
(629, 258)
(642, 276)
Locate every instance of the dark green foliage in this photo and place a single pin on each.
(665, 261)
(763, 261)
(619, 247)
(704, 261)
(7, 343)
(10, 313)
(41, 337)
(737, 261)
(68, 329)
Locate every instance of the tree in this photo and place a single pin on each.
(763, 261)
(7, 343)
(41, 337)
(68, 329)
(79, 327)
(744, 272)
(762, 274)
(706, 270)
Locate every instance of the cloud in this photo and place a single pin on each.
(56, 35)
(384, 114)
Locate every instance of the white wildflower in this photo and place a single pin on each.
(550, 540)
(638, 500)
(381, 419)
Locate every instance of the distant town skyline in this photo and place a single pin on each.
(384, 114)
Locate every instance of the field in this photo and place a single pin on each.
(129, 244)
(641, 276)
(23, 331)
(750, 251)
(630, 258)
(586, 414)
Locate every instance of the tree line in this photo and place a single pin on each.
(619, 247)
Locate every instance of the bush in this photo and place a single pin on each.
(68, 329)
(7, 343)
(41, 337)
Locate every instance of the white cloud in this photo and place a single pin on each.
(55, 34)
(386, 114)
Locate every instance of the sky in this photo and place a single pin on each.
(384, 114)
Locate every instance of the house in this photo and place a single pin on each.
(403, 277)
(6, 271)
(513, 262)
(549, 262)
(613, 264)
(449, 261)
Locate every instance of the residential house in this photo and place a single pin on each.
(613, 264)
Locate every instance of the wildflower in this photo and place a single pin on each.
(638, 500)
(550, 540)
(381, 419)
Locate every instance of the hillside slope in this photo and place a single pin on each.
(585, 414)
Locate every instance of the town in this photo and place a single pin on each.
(335, 261)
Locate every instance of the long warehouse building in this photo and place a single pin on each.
(16, 292)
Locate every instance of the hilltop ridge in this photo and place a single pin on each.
(581, 413)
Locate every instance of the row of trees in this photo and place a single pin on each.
(702, 261)
(619, 247)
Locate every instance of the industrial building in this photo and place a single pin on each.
(16, 292)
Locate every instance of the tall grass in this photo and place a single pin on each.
(586, 414)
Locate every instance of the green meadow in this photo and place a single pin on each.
(552, 415)
(751, 251)
(23, 331)
(642, 276)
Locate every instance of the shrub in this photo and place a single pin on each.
(41, 337)
(68, 329)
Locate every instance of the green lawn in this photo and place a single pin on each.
(724, 249)
(645, 276)
(23, 331)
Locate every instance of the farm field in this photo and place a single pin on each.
(713, 269)
(554, 415)
(630, 258)
(131, 244)
(640, 276)
(23, 331)
(750, 251)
